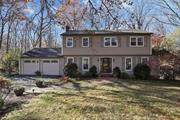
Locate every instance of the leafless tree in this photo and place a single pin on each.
(170, 10)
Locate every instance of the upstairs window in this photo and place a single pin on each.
(69, 42)
(137, 41)
(110, 42)
(85, 42)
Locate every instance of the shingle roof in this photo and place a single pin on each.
(103, 32)
(42, 53)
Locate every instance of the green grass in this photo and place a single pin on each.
(100, 100)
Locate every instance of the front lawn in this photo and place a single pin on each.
(105, 100)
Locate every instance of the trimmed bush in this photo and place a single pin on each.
(167, 72)
(87, 75)
(116, 72)
(70, 70)
(40, 84)
(93, 71)
(125, 75)
(38, 73)
(1, 103)
(142, 71)
(19, 91)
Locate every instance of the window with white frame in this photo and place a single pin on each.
(70, 60)
(128, 64)
(27, 61)
(144, 60)
(85, 63)
(69, 42)
(54, 61)
(137, 41)
(110, 42)
(85, 42)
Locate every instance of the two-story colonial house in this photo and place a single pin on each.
(104, 49)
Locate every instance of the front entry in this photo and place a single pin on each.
(106, 65)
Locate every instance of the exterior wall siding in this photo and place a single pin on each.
(118, 61)
(97, 46)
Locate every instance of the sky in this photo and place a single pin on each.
(35, 7)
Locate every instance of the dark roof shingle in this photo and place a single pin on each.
(104, 32)
(42, 53)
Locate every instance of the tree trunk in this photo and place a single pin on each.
(7, 44)
(41, 24)
(1, 36)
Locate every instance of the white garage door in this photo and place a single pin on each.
(51, 67)
(30, 67)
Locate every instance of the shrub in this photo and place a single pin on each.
(10, 60)
(142, 71)
(19, 91)
(40, 84)
(116, 72)
(38, 73)
(5, 89)
(167, 72)
(70, 70)
(93, 71)
(1, 103)
(87, 75)
(79, 75)
(125, 75)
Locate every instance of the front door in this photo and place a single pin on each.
(106, 65)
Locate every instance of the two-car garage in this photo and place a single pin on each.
(48, 61)
(45, 66)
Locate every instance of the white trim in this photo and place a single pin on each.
(131, 64)
(83, 40)
(111, 63)
(69, 58)
(88, 64)
(145, 57)
(19, 66)
(136, 41)
(111, 41)
(67, 42)
(150, 45)
(62, 45)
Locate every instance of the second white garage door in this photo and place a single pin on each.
(50, 67)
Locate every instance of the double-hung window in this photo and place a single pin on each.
(70, 60)
(85, 42)
(85, 63)
(110, 42)
(144, 60)
(128, 64)
(69, 42)
(136, 41)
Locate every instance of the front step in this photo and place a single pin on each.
(105, 75)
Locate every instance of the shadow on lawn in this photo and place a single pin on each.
(150, 95)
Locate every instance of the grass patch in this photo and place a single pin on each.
(106, 100)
